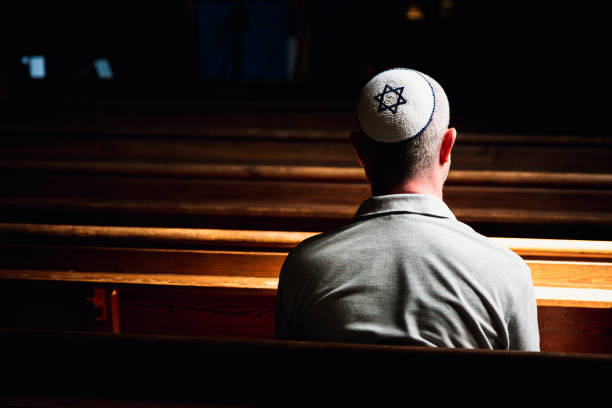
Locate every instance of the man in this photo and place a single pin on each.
(405, 270)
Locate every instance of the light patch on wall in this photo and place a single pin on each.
(36, 64)
(414, 13)
(103, 68)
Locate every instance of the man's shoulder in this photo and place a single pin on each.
(321, 242)
(453, 235)
(486, 246)
(490, 260)
(398, 235)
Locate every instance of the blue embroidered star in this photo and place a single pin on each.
(382, 105)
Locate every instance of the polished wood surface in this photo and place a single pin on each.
(295, 146)
(328, 204)
(223, 282)
(162, 237)
(244, 169)
(202, 238)
(302, 173)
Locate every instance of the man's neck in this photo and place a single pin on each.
(417, 185)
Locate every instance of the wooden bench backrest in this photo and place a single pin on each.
(294, 179)
(223, 283)
(575, 270)
(73, 366)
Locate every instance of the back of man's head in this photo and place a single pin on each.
(402, 115)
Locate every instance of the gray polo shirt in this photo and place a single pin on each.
(405, 271)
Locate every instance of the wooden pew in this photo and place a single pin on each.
(59, 369)
(151, 162)
(299, 139)
(289, 197)
(222, 282)
(279, 163)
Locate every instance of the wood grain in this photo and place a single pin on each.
(306, 145)
(329, 202)
(85, 235)
(301, 173)
(223, 282)
(589, 295)
(252, 171)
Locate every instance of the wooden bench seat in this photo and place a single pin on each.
(161, 371)
(239, 196)
(223, 282)
(315, 136)
(283, 167)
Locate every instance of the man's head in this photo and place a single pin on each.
(403, 140)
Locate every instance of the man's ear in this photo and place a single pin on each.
(448, 141)
(357, 140)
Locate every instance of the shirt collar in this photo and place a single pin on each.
(423, 204)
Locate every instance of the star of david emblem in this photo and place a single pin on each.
(399, 100)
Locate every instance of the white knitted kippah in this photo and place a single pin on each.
(396, 105)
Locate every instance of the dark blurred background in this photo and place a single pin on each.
(508, 66)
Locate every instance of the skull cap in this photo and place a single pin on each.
(396, 105)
